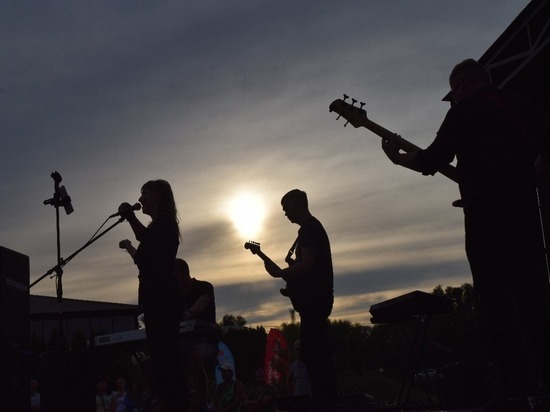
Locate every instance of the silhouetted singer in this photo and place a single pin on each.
(159, 292)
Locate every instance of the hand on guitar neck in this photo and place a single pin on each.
(271, 267)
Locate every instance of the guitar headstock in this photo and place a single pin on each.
(355, 115)
(254, 247)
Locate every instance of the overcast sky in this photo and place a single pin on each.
(226, 99)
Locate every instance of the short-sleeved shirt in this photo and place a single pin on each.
(316, 288)
(198, 289)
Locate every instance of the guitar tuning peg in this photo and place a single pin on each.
(353, 101)
(346, 124)
(362, 104)
(338, 116)
(345, 97)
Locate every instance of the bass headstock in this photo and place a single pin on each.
(355, 115)
(254, 247)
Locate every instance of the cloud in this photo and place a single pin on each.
(220, 98)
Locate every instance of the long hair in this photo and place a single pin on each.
(167, 204)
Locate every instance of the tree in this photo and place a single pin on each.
(246, 344)
(232, 320)
(349, 340)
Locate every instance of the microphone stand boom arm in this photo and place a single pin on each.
(62, 262)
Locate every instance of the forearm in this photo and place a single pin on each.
(197, 308)
(293, 271)
(127, 245)
(137, 227)
(131, 251)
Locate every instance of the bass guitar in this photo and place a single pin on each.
(357, 116)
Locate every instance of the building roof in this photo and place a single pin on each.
(519, 58)
(48, 305)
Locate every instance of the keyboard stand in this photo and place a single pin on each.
(416, 342)
(417, 308)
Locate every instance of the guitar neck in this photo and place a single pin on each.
(357, 116)
(265, 258)
(447, 171)
(384, 133)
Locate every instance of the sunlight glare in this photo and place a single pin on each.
(247, 212)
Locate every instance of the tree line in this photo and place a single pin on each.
(452, 340)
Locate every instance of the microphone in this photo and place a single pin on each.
(136, 206)
(65, 200)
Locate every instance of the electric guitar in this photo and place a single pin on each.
(357, 116)
(288, 291)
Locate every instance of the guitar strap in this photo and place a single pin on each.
(288, 258)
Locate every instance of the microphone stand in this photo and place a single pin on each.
(58, 269)
(62, 262)
(55, 201)
(60, 198)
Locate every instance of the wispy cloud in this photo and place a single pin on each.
(221, 98)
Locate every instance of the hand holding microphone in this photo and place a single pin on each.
(125, 210)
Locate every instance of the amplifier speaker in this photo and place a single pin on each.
(14, 300)
(14, 331)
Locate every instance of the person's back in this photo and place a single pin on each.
(496, 137)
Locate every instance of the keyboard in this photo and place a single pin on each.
(188, 327)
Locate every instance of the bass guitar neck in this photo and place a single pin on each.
(357, 116)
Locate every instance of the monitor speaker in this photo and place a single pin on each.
(14, 330)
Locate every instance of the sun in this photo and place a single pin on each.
(247, 212)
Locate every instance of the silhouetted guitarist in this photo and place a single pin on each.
(255, 249)
(310, 286)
